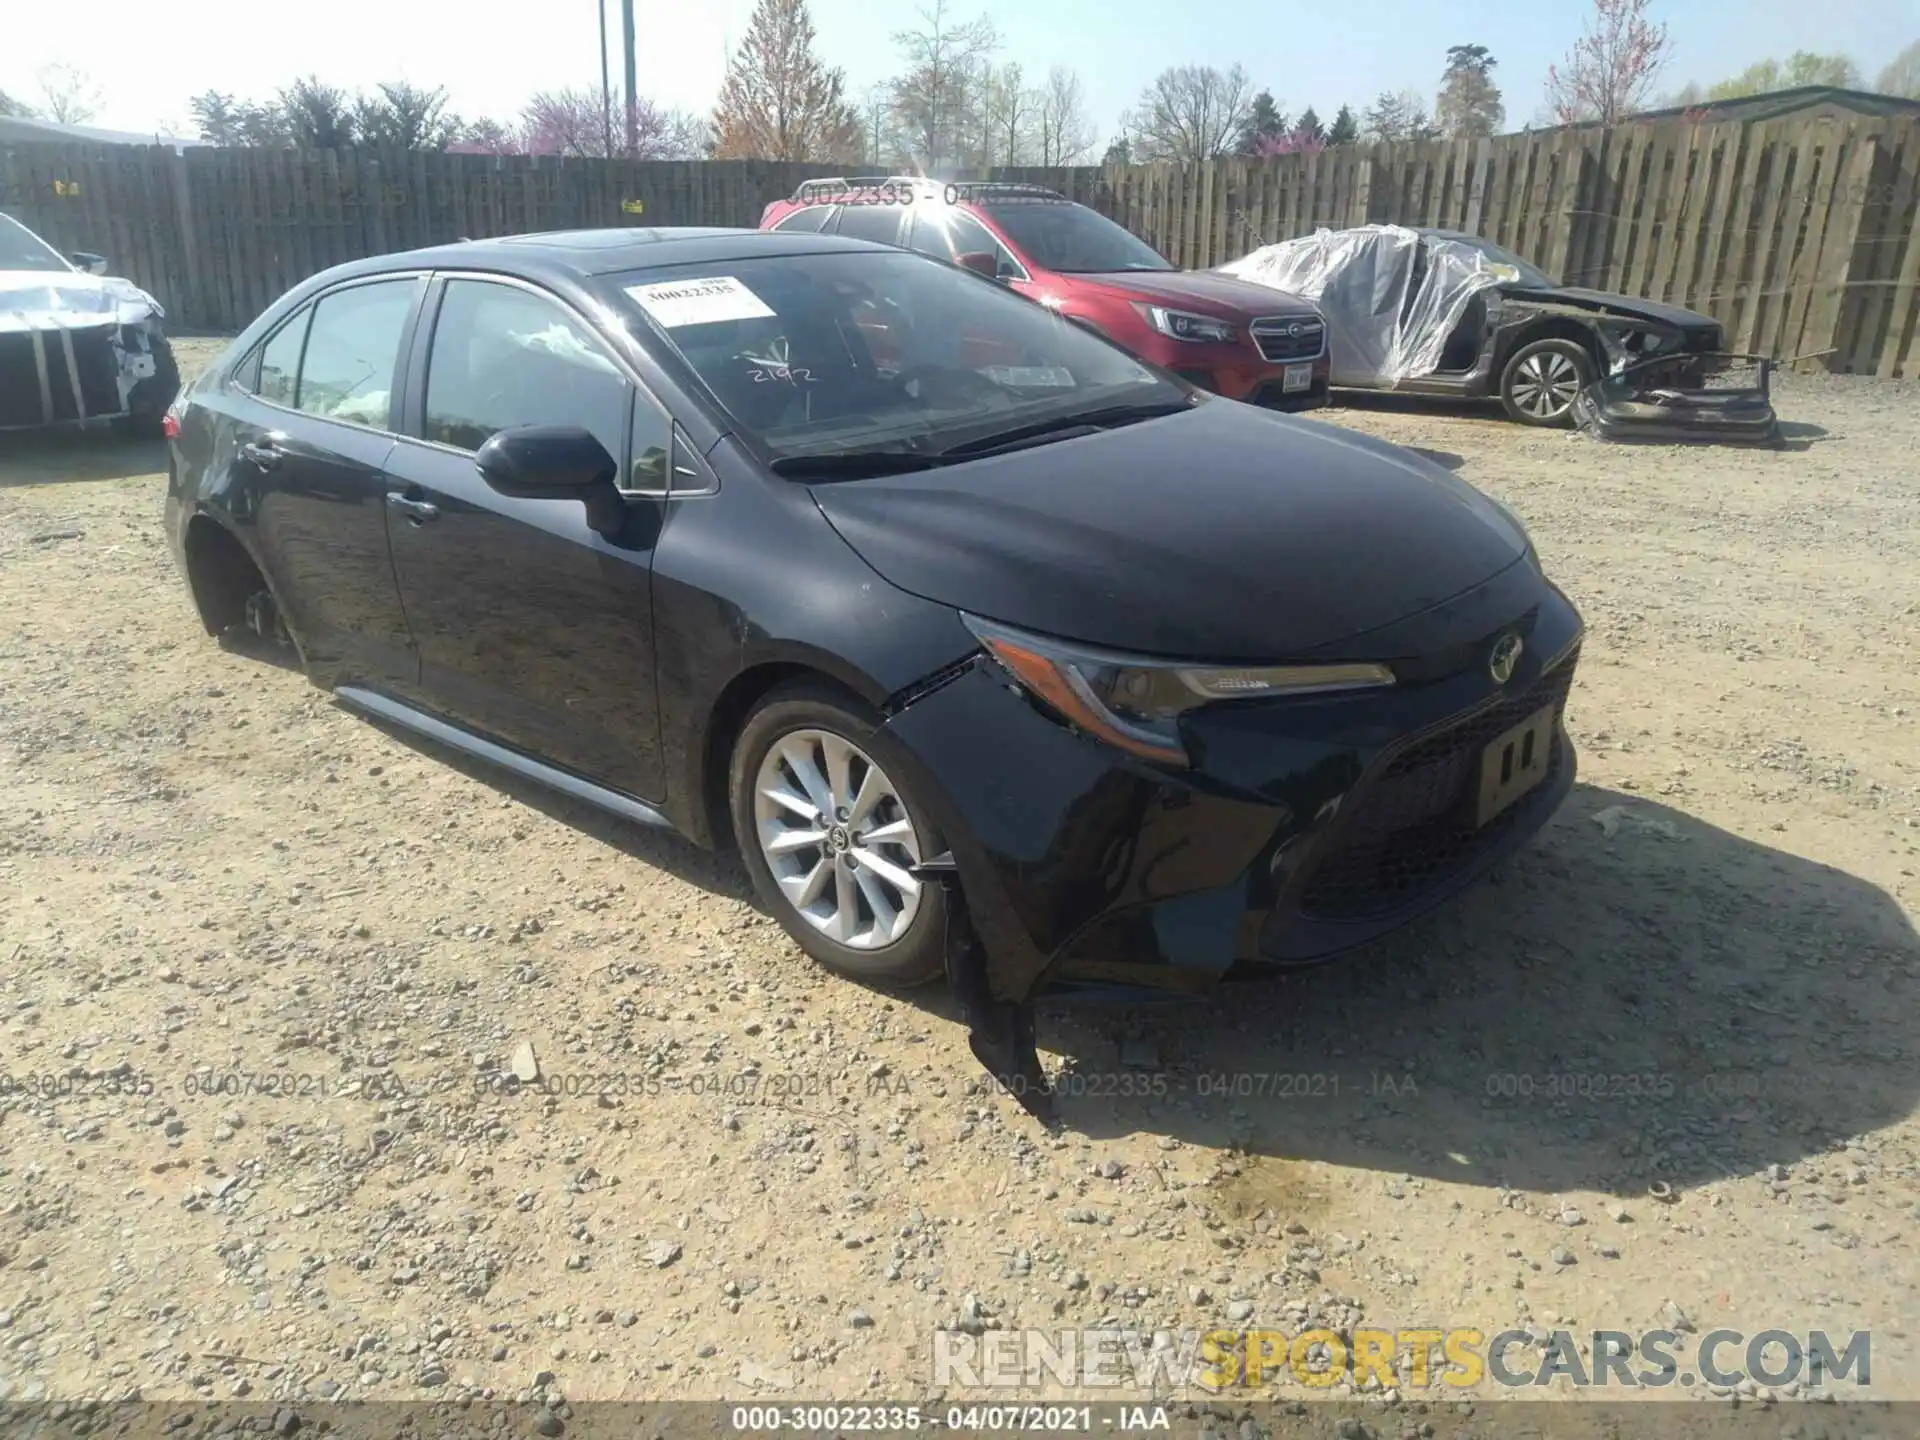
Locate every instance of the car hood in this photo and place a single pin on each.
(55, 299)
(1223, 533)
(1212, 292)
(1631, 305)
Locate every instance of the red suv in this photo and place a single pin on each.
(1243, 341)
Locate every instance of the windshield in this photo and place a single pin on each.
(825, 353)
(21, 249)
(1071, 239)
(1501, 258)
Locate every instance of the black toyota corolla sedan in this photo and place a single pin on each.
(931, 601)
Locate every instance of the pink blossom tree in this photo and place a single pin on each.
(1609, 73)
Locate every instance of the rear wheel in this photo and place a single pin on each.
(1541, 380)
(829, 835)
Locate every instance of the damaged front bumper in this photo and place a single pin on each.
(1306, 827)
(78, 359)
(1715, 396)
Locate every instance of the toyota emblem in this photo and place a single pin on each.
(1504, 656)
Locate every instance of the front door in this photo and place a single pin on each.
(533, 628)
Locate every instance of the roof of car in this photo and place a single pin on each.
(583, 253)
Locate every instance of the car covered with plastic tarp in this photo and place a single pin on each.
(1439, 312)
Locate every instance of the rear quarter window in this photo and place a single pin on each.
(277, 374)
(813, 218)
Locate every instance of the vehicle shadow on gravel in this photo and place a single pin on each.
(67, 456)
(1639, 1000)
(719, 872)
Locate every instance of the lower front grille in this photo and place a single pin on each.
(1289, 339)
(1410, 826)
(86, 388)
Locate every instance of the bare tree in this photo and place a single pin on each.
(1469, 104)
(936, 100)
(1009, 108)
(17, 108)
(1609, 73)
(879, 139)
(1063, 135)
(780, 101)
(1191, 112)
(68, 94)
(1902, 75)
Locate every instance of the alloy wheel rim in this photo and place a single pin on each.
(837, 838)
(1546, 384)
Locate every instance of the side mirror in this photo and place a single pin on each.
(981, 262)
(546, 462)
(91, 263)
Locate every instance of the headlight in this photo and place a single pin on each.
(1180, 325)
(1136, 703)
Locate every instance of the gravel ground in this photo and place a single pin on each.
(266, 972)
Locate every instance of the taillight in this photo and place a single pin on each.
(170, 426)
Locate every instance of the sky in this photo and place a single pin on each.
(490, 55)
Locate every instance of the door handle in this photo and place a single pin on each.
(262, 455)
(418, 511)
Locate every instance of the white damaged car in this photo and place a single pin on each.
(77, 346)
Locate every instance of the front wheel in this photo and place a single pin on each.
(829, 836)
(1541, 380)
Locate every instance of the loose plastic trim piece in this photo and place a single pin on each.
(1674, 398)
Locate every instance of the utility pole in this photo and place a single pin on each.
(606, 89)
(633, 110)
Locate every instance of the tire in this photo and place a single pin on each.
(1541, 379)
(838, 917)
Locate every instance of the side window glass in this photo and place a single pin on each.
(353, 345)
(504, 357)
(652, 446)
(928, 238)
(279, 362)
(811, 218)
(969, 236)
(879, 222)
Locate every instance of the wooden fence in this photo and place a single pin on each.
(1798, 234)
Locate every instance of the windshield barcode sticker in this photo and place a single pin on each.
(1030, 376)
(706, 301)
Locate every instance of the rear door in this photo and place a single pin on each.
(312, 430)
(533, 628)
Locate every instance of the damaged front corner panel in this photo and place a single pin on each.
(999, 1032)
(76, 349)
